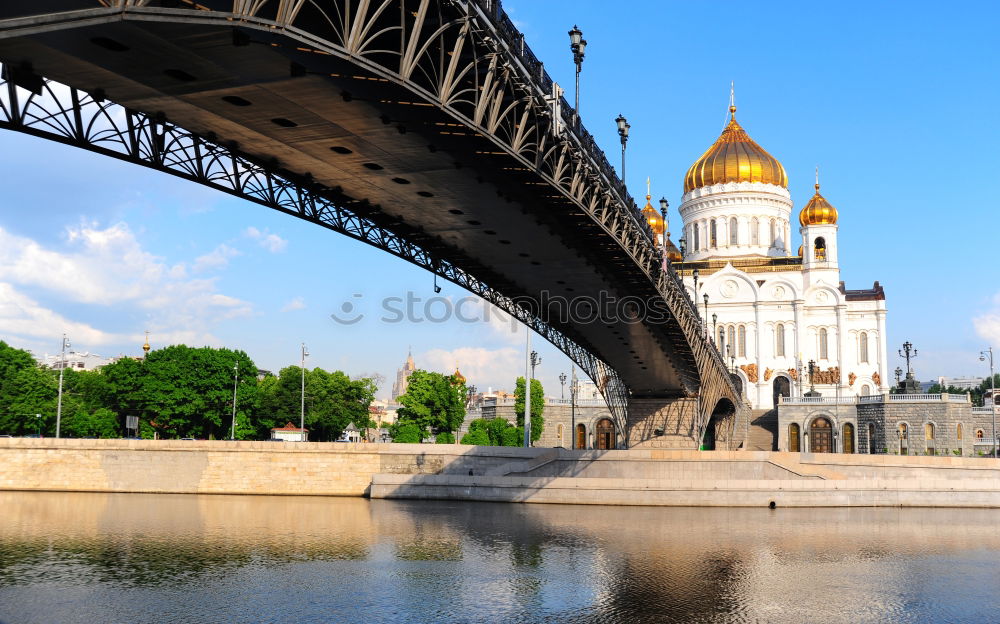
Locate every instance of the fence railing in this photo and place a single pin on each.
(884, 398)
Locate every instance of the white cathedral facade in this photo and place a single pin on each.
(772, 309)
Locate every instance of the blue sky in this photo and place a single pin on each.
(894, 102)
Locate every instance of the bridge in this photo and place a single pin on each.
(426, 128)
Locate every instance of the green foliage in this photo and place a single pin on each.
(25, 390)
(406, 433)
(513, 436)
(476, 437)
(101, 423)
(332, 402)
(445, 437)
(493, 432)
(433, 403)
(537, 406)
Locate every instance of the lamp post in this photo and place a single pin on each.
(302, 412)
(533, 361)
(236, 380)
(664, 204)
(812, 382)
(574, 387)
(694, 276)
(562, 386)
(706, 315)
(578, 45)
(62, 367)
(993, 400)
(732, 359)
(910, 385)
(715, 327)
(623, 127)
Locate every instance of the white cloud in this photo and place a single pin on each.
(218, 258)
(295, 304)
(22, 316)
(496, 368)
(109, 268)
(270, 242)
(988, 324)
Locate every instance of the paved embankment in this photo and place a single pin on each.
(638, 477)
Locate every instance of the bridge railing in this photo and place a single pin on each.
(509, 34)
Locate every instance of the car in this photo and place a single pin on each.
(33, 435)
(6, 435)
(188, 439)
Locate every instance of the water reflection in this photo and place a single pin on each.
(153, 558)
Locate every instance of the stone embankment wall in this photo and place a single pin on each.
(540, 475)
(222, 467)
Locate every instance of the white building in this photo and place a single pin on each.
(77, 360)
(290, 433)
(772, 309)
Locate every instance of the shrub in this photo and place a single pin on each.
(407, 433)
(477, 437)
(445, 437)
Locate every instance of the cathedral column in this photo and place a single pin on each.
(760, 360)
(841, 348)
(797, 310)
(883, 367)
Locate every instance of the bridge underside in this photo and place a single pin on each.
(413, 168)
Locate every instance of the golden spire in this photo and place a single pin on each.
(818, 211)
(734, 157)
(145, 347)
(650, 214)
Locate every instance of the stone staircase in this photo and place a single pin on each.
(763, 430)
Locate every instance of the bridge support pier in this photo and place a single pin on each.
(683, 423)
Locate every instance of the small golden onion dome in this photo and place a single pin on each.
(799, 254)
(652, 217)
(458, 377)
(818, 211)
(673, 254)
(735, 157)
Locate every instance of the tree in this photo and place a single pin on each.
(493, 432)
(332, 400)
(537, 406)
(406, 433)
(433, 402)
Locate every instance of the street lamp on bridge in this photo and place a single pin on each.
(988, 353)
(562, 386)
(706, 315)
(623, 127)
(302, 412)
(578, 45)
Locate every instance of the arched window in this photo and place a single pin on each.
(904, 439)
(697, 237)
(734, 232)
(731, 337)
(581, 436)
(823, 351)
(820, 249)
(866, 390)
(714, 236)
(871, 438)
(559, 432)
(979, 434)
(774, 234)
(793, 438)
(929, 437)
(848, 442)
(958, 431)
(863, 344)
(779, 340)
(755, 231)
(743, 341)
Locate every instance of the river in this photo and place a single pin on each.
(136, 558)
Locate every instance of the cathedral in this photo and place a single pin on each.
(774, 310)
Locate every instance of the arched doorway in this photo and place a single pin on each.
(605, 438)
(821, 436)
(847, 444)
(793, 438)
(719, 425)
(581, 436)
(782, 387)
(871, 438)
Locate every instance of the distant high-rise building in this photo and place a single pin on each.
(403, 377)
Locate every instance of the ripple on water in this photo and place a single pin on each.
(143, 558)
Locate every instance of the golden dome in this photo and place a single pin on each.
(653, 218)
(799, 253)
(735, 157)
(458, 377)
(673, 254)
(818, 211)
